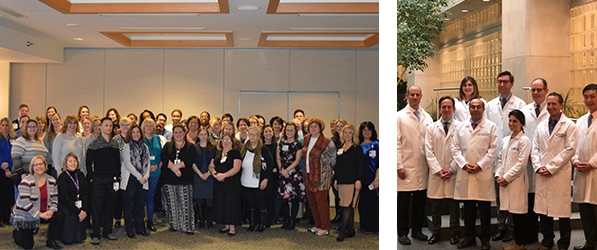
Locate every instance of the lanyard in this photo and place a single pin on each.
(75, 182)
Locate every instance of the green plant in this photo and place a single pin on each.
(432, 108)
(569, 108)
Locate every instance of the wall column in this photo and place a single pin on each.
(4, 89)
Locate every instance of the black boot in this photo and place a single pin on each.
(199, 214)
(344, 230)
(291, 225)
(151, 226)
(350, 232)
(286, 223)
(207, 217)
(252, 220)
(262, 218)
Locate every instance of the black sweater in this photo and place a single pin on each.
(67, 191)
(187, 154)
(350, 166)
(103, 159)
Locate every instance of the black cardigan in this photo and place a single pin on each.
(350, 166)
(187, 154)
(270, 165)
(67, 191)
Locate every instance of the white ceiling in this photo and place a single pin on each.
(46, 23)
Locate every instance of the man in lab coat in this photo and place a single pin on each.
(497, 111)
(442, 176)
(412, 166)
(555, 144)
(585, 163)
(534, 113)
(474, 150)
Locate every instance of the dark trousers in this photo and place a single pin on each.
(549, 235)
(521, 228)
(588, 216)
(134, 198)
(24, 237)
(118, 205)
(103, 206)
(419, 199)
(6, 197)
(531, 219)
(369, 210)
(504, 218)
(470, 215)
(270, 197)
(436, 209)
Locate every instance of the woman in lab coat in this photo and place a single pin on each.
(468, 91)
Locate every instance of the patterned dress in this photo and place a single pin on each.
(293, 187)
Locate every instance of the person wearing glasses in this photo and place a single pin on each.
(225, 167)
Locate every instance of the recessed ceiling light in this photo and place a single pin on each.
(247, 7)
(464, 11)
(78, 39)
(486, 0)
(73, 25)
(162, 28)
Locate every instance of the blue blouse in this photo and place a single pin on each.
(5, 149)
(371, 154)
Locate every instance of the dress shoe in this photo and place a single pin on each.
(466, 243)
(508, 237)
(111, 237)
(224, 230)
(130, 235)
(498, 236)
(514, 246)
(319, 233)
(117, 224)
(485, 245)
(434, 238)
(190, 233)
(231, 234)
(286, 223)
(151, 226)
(584, 247)
(454, 239)
(544, 248)
(52, 244)
(351, 234)
(291, 225)
(313, 230)
(404, 240)
(95, 241)
(144, 233)
(419, 236)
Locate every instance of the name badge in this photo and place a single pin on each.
(176, 161)
(15, 126)
(116, 186)
(79, 204)
(223, 159)
(560, 135)
(484, 134)
(514, 148)
(340, 151)
(284, 147)
(372, 153)
(152, 157)
(371, 187)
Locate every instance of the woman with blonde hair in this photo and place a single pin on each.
(41, 126)
(73, 200)
(7, 134)
(67, 141)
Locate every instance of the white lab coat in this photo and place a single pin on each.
(511, 165)
(500, 117)
(439, 156)
(475, 146)
(411, 149)
(552, 193)
(531, 125)
(461, 110)
(585, 184)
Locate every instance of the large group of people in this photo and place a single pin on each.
(522, 156)
(90, 172)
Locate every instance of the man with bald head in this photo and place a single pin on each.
(412, 166)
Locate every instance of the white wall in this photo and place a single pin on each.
(194, 80)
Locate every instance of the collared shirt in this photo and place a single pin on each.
(477, 122)
(594, 117)
(551, 124)
(507, 97)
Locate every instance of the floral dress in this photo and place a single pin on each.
(293, 187)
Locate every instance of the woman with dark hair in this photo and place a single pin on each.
(67, 141)
(134, 119)
(277, 124)
(24, 149)
(227, 118)
(469, 90)
(38, 200)
(133, 183)
(225, 167)
(203, 181)
(204, 118)
(319, 155)
(257, 167)
(178, 157)
(228, 128)
(50, 111)
(193, 125)
(113, 114)
(272, 198)
(290, 183)
(242, 124)
(73, 200)
(144, 115)
(82, 112)
(7, 134)
(510, 175)
(348, 174)
(369, 203)
(53, 131)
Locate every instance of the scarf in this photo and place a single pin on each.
(316, 168)
(257, 158)
(139, 155)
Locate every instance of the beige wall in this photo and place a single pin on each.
(194, 80)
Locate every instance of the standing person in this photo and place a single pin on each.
(204, 118)
(73, 200)
(103, 171)
(50, 111)
(228, 128)
(257, 167)
(474, 150)
(273, 202)
(178, 157)
(38, 199)
(134, 185)
(555, 144)
(176, 116)
(412, 165)
(203, 185)
(53, 131)
(67, 141)
(534, 113)
(193, 133)
(160, 124)
(24, 149)
(23, 122)
(134, 119)
(319, 155)
(510, 175)
(154, 143)
(225, 167)
(442, 174)
(41, 126)
(7, 135)
(243, 125)
(86, 126)
(469, 90)
(369, 203)
(215, 124)
(497, 112)
(23, 111)
(82, 112)
(227, 117)
(349, 174)
(146, 114)
(121, 129)
(277, 124)
(584, 162)
(113, 114)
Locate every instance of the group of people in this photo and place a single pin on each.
(86, 170)
(523, 156)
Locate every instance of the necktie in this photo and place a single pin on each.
(552, 125)
(417, 115)
(474, 124)
(503, 101)
(446, 127)
(590, 119)
(537, 110)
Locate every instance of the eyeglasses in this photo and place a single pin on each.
(503, 81)
(39, 164)
(226, 140)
